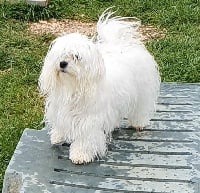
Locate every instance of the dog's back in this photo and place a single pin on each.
(131, 71)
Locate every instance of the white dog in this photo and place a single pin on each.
(91, 85)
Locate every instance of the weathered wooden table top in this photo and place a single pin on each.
(164, 158)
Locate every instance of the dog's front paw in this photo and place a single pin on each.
(139, 128)
(56, 137)
(80, 156)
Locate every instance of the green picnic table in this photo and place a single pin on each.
(163, 158)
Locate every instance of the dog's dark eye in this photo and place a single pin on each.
(77, 56)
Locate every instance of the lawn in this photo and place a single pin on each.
(21, 53)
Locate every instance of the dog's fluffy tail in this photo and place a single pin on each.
(117, 29)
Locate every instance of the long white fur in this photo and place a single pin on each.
(104, 82)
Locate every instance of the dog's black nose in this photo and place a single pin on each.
(63, 64)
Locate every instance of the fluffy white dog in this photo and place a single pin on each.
(91, 85)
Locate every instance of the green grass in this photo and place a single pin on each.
(21, 53)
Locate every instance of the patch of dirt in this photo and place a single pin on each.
(149, 32)
(56, 27)
(61, 26)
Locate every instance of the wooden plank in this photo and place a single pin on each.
(147, 160)
(156, 136)
(104, 169)
(120, 185)
(152, 147)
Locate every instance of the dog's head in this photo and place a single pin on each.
(71, 59)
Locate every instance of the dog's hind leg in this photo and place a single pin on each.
(142, 112)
